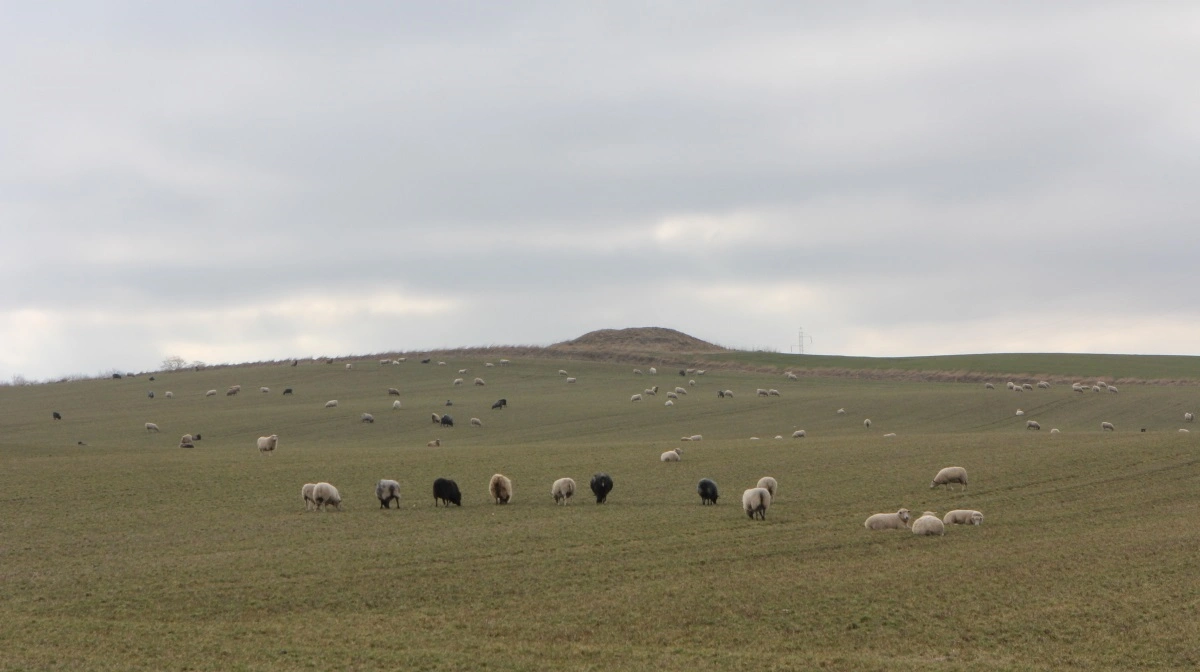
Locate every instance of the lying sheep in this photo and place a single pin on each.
(307, 493)
(887, 521)
(446, 490)
(436, 443)
(799, 434)
(151, 427)
(672, 455)
(332, 403)
(696, 437)
(324, 495)
(367, 417)
(601, 485)
(1054, 430)
(950, 475)
(476, 422)
(963, 517)
(929, 525)
(707, 490)
(563, 490)
(569, 380)
(889, 435)
(387, 490)
(393, 392)
(1107, 427)
(755, 503)
(769, 484)
(169, 394)
(636, 397)
(267, 444)
(1185, 431)
(669, 403)
(1032, 424)
(264, 390)
(1020, 412)
(500, 488)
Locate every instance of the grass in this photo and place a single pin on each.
(130, 554)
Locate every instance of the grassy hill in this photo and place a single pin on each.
(130, 553)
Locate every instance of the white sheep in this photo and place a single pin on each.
(773, 392)
(393, 392)
(562, 372)
(791, 376)
(841, 411)
(441, 363)
(488, 365)
(477, 422)
(210, 393)
(367, 417)
(755, 502)
(325, 494)
(696, 437)
(479, 382)
(728, 394)
(1107, 427)
(458, 381)
(1032, 424)
(701, 372)
(888, 521)
(396, 405)
(267, 444)
(669, 403)
(799, 434)
(653, 371)
(436, 443)
(1095, 388)
(636, 397)
(889, 435)
(636, 372)
(1184, 431)
(264, 390)
(462, 371)
(761, 392)
(569, 379)
(692, 382)
(169, 395)
(1189, 417)
(1043, 385)
(1020, 412)
(1054, 430)
(563, 490)
(950, 475)
(332, 403)
(769, 484)
(385, 491)
(504, 362)
(988, 386)
(1111, 388)
(867, 423)
(151, 427)
(963, 517)
(672, 395)
(349, 366)
(680, 390)
(500, 488)
(1027, 387)
(672, 455)
(307, 493)
(929, 525)
(437, 419)
(651, 391)
(1010, 385)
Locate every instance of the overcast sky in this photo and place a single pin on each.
(239, 181)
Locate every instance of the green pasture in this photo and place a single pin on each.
(129, 553)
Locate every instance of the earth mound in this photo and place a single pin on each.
(646, 339)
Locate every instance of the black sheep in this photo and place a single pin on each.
(447, 491)
(707, 491)
(57, 415)
(447, 421)
(602, 484)
(500, 404)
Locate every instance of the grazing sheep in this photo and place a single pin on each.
(1189, 417)
(929, 525)
(569, 380)
(462, 372)
(989, 386)
(264, 390)
(1077, 387)
(332, 403)
(841, 411)
(307, 493)
(950, 475)
(672, 395)
(773, 393)
(669, 403)
(799, 434)
(437, 419)
(692, 383)
(672, 455)
(267, 444)
(636, 397)
(1054, 430)
(707, 490)
(1111, 388)
(476, 422)
(436, 443)
(488, 365)
(761, 392)
(447, 491)
(1027, 387)
(653, 371)
(963, 517)
(1095, 388)
(349, 366)
(1043, 385)
(769, 484)
(325, 494)
(696, 437)
(387, 490)
(504, 362)
(563, 490)
(287, 390)
(1020, 412)
(1107, 427)
(458, 381)
(150, 394)
(396, 404)
(500, 488)
(728, 394)
(1032, 424)
(637, 372)
(151, 427)
(500, 404)
(888, 521)
(393, 392)
(601, 484)
(210, 393)
(367, 417)
(720, 394)
(1018, 389)
(56, 415)
(755, 502)
(791, 376)
(680, 390)
(867, 423)
(447, 421)
(562, 372)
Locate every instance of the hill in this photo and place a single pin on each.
(638, 340)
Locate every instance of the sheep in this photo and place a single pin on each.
(707, 490)
(755, 502)
(669, 402)
(950, 475)
(447, 421)
(692, 383)
(1107, 427)
(1010, 385)
(791, 376)
(1185, 431)
(701, 372)
(888, 521)
(637, 372)
(929, 525)
(563, 490)
(396, 405)
(672, 455)
(384, 362)
(653, 371)
(437, 419)
(56, 415)
(307, 493)
(1018, 389)
(696, 437)
(680, 390)
(889, 435)
(1095, 388)
(447, 491)
(169, 394)
(150, 394)
(151, 427)
(636, 397)
(500, 487)
(332, 403)
(210, 393)
(779, 436)
(449, 403)
(867, 423)
(601, 485)
(504, 362)
(1032, 424)
(1043, 385)
(185, 441)
(773, 392)
(1111, 388)
(367, 417)
(728, 394)
(264, 390)
(989, 386)
(841, 411)
(462, 372)
(500, 404)
(561, 372)
(476, 422)
(672, 395)
(720, 394)
(769, 484)
(349, 366)
(489, 365)
(458, 381)
(1020, 412)
(436, 443)
(267, 444)
(799, 434)
(325, 494)
(287, 390)
(1189, 417)
(1027, 387)
(386, 490)
(761, 392)
(393, 392)
(963, 517)
(1054, 430)
(233, 390)
(569, 380)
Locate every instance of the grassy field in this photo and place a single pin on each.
(128, 553)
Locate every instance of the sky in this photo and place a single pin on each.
(242, 181)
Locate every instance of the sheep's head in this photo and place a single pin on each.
(904, 516)
(976, 518)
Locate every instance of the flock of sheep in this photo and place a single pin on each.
(929, 524)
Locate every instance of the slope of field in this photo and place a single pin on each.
(129, 553)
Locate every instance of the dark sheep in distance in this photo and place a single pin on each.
(602, 484)
(116, 376)
(449, 403)
(683, 372)
(426, 360)
(151, 377)
(447, 491)
(287, 390)
(500, 404)
(58, 416)
(447, 421)
(150, 394)
(707, 490)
